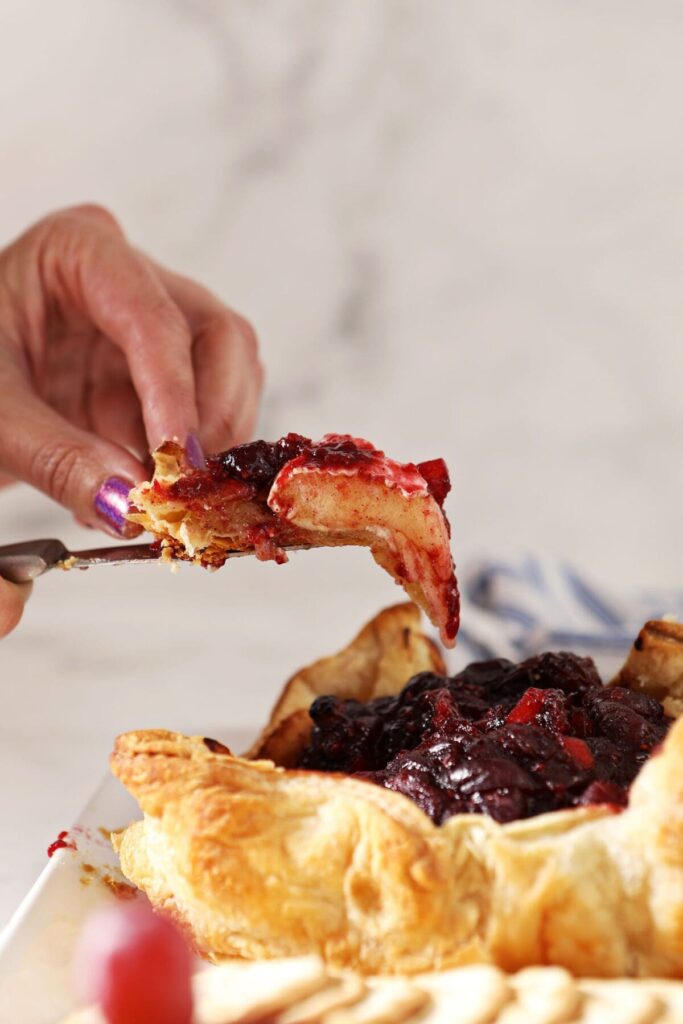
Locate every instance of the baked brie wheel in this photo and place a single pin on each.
(378, 868)
(266, 497)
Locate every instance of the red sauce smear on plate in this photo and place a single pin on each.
(62, 842)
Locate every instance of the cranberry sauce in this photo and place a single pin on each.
(62, 842)
(258, 462)
(500, 739)
(254, 466)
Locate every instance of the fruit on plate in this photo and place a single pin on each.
(268, 497)
(260, 856)
(136, 966)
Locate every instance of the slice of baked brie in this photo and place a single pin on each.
(266, 858)
(266, 497)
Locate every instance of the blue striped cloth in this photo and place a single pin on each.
(514, 609)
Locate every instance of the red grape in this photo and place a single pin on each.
(136, 966)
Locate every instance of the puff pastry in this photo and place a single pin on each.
(266, 497)
(264, 861)
(655, 665)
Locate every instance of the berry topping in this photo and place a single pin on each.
(259, 462)
(256, 465)
(506, 740)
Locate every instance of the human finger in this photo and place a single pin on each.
(13, 597)
(228, 371)
(83, 472)
(88, 262)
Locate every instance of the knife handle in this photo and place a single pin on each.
(21, 563)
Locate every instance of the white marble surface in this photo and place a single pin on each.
(457, 227)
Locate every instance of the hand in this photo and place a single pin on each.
(12, 599)
(103, 355)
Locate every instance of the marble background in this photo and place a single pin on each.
(457, 227)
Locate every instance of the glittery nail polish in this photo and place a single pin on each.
(111, 505)
(194, 453)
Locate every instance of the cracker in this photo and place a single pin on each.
(90, 1015)
(387, 1002)
(615, 1001)
(544, 995)
(468, 995)
(339, 993)
(298, 990)
(671, 994)
(236, 993)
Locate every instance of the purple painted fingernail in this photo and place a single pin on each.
(111, 505)
(194, 453)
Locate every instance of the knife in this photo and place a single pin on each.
(21, 563)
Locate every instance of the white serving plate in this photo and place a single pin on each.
(36, 947)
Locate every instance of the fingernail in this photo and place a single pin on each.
(111, 505)
(194, 453)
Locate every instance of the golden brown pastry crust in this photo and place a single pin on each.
(379, 660)
(261, 862)
(655, 665)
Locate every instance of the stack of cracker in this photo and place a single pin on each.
(301, 990)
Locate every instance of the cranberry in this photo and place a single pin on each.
(350, 730)
(528, 706)
(547, 708)
(646, 707)
(259, 462)
(579, 750)
(504, 804)
(563, 671)
(415, 780)
(527, 743)
(623, 724)
(435, 473)
(603, 793)
(341, 452)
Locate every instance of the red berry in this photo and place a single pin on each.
(527, 707)
(435, 472)
(579, 750)
(136, 966)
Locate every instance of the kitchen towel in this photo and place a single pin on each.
(516, 608)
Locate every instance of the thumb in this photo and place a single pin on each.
(12, 599)
(86, 474)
